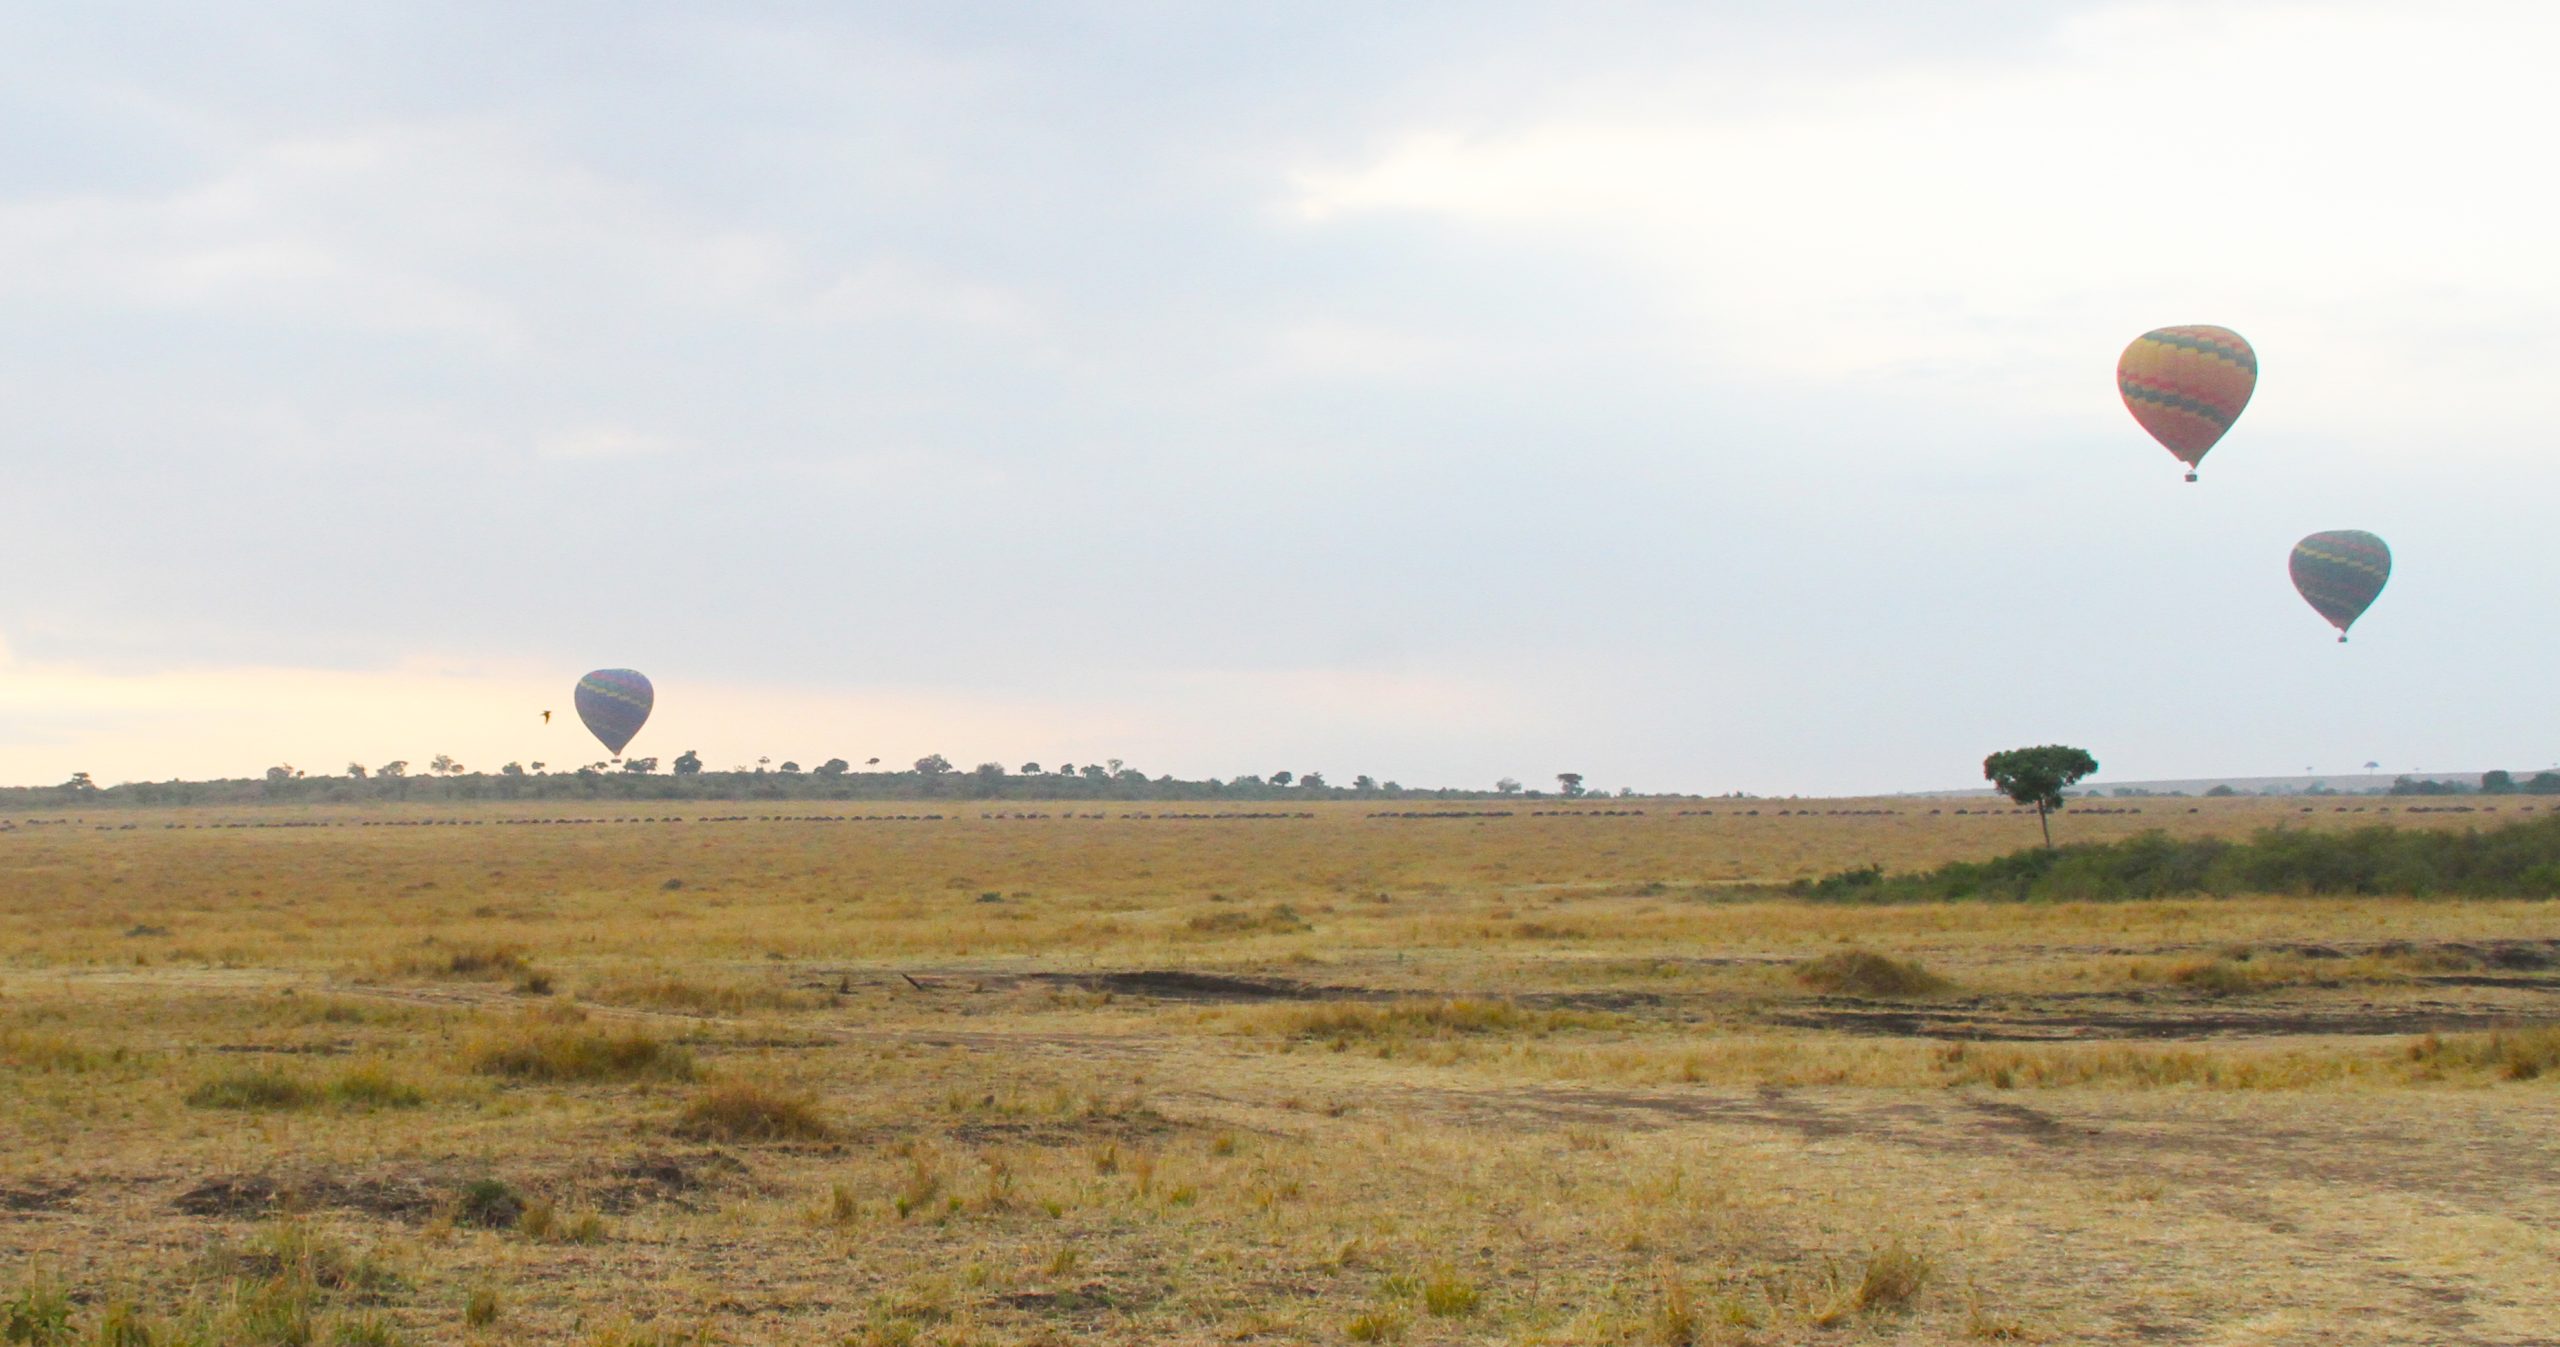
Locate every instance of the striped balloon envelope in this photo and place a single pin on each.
(2339, 573)
(615, 704)
(2186, 385)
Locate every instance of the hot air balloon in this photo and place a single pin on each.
(2186, 385)
(2339, 573)
(615, 704)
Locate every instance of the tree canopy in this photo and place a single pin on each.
(2037, 776)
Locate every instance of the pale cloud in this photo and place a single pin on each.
(1334, 349)
(1710, 396)
(2339, 182)
(890, 288)
(282, 233)
(602, 442)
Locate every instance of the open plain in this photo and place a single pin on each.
(1527, 1072)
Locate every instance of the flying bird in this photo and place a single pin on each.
(546, 717)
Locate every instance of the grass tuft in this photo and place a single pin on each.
(374, 1087)
(670, 991)
(258, 1090)
(2509, 1054)
(537, 1051)
(489, 1204)
(1446, 1295)
(1347, 1021)
(1893, 1278)
(740, 1110)
(1383, 1324)
(1858, 972)
(1278, 919)
(38, 1315)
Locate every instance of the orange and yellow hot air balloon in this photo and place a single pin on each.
(2186, 385)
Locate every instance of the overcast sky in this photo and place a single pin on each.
(1691, 398)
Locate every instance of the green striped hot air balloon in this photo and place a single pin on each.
(615, 704)
(2339, 573)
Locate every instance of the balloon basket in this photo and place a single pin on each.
(2191, 477)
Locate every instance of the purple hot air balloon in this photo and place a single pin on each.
(615, 704)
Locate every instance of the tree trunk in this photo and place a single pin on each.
(2047, 826)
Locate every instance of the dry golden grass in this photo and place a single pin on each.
(742, 1111)
(545, 1049)
(1526, 1080)
(1860, 972)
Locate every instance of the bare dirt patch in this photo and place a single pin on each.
(252, 1196)
(1984, 1023)
(42, 1195)
(1180, 985)
(670, 1178)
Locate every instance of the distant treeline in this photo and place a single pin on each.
(2491, 783)
(931, 780)
(2519, 860)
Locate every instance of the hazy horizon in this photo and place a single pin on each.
(1701, 399)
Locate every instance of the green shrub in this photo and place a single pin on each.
(38, 1315)
(260, 1089)
(2519, 860)
(489, 1204)
(374, 1087)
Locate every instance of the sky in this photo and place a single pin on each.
(1699, 397)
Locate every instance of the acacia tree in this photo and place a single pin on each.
(2037, 776)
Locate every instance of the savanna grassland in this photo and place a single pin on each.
(1039, 1074)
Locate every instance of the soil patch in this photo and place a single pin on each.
(1090, 1298)
(39, 1196)
(1207, 988)
(667, 1178)
(1221, 989)
(394, 1197)
(1979, 1025)
(2020, 1120)
(236, 1195)
(1144, 1125)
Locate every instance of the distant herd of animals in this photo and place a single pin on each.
(1160, 816)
